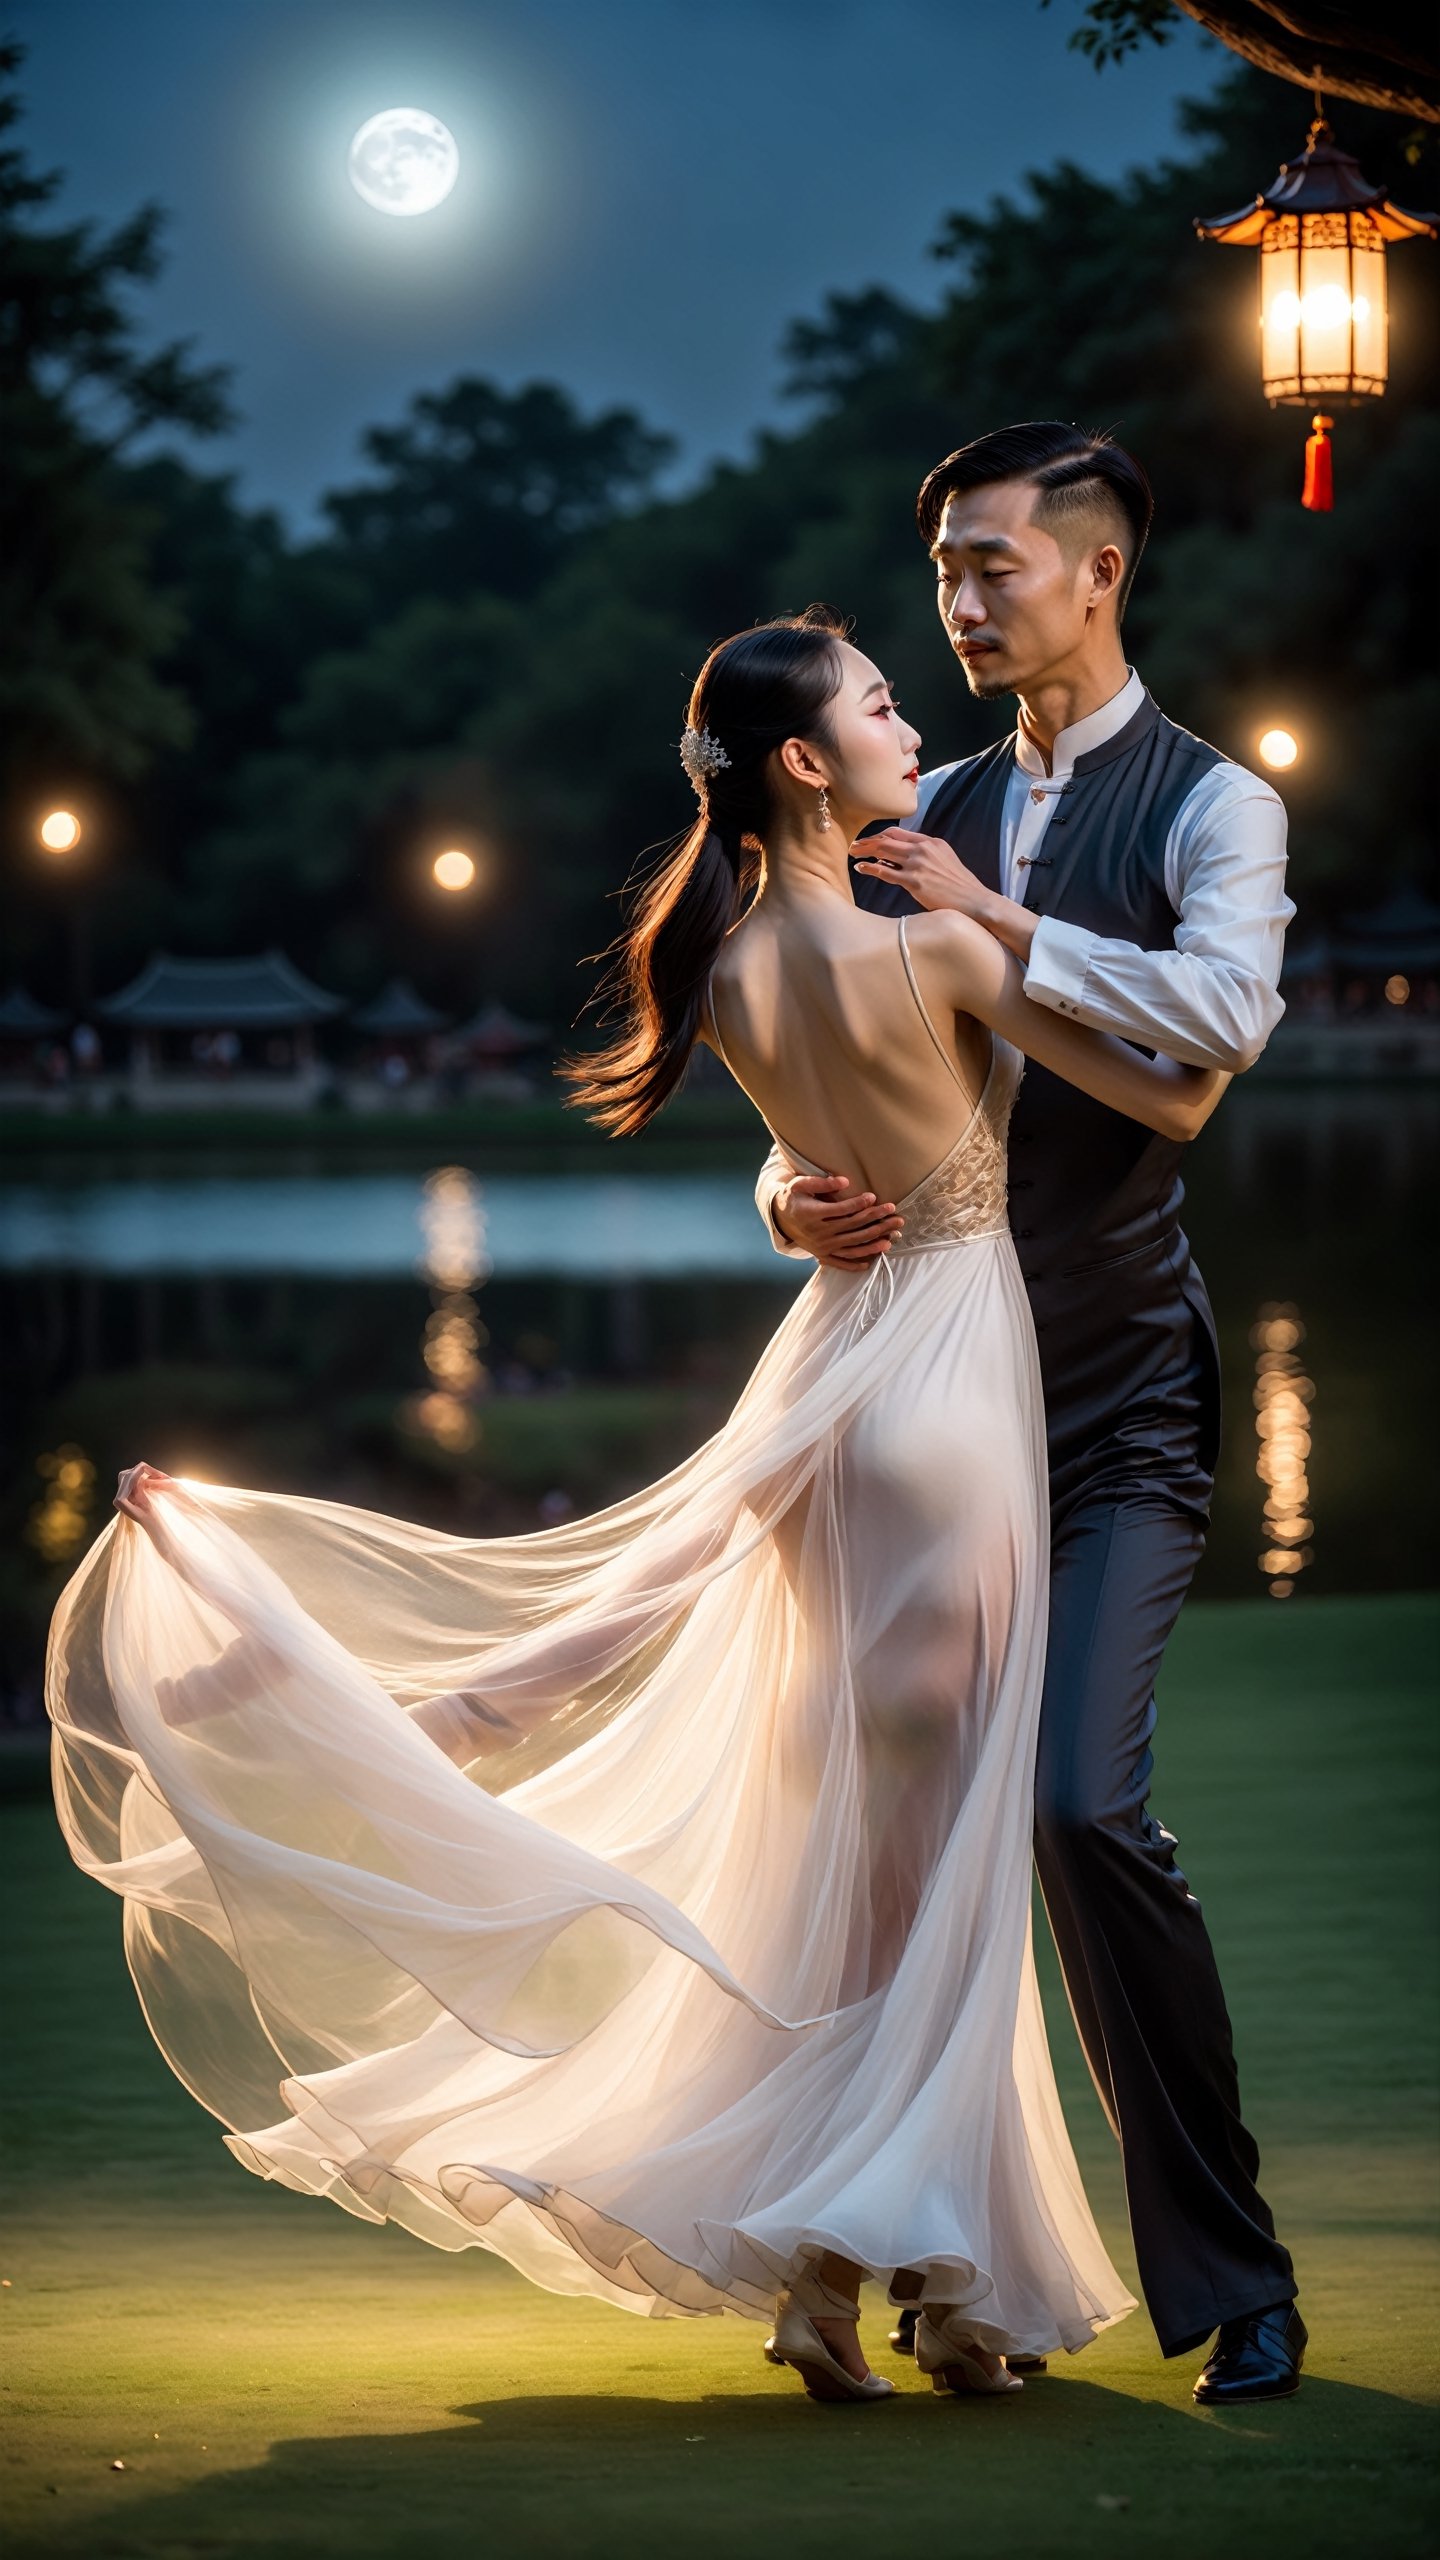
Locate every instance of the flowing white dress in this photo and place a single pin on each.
(647, 1900)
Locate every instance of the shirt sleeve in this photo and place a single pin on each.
(1213, 1000)
(775, 1170)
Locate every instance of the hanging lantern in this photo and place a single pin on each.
(1321, 230)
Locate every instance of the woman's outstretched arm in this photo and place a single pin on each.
(972, 973)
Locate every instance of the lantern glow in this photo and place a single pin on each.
(1321, 230)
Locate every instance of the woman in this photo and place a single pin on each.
(648, 1900)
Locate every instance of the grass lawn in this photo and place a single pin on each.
(277, 2379)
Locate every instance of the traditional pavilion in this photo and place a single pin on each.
(24, 1024)
(500, 1038)
(214, 1016)
(22, 1018)
(1383, 962)
(399, 1030)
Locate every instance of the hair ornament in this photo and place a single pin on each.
(702, 755)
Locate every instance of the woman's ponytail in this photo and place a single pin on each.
(662, 968)
(754, 692)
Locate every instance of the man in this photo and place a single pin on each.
(1139, 877)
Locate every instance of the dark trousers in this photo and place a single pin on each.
(1138, 1963)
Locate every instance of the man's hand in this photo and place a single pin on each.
(935, 876)
(843, 1233)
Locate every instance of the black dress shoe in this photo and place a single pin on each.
(1257, 2357)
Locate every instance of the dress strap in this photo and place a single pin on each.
(708, 1007)
(925, 1013)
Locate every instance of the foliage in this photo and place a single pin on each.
(485, 488)
(495, 633)
(81, 628)
(1111, 29)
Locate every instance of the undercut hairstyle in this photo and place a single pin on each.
(754, 691)
(1074, 475)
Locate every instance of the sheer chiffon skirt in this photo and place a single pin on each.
(646, 1900)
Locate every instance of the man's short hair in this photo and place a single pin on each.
(1075, 474)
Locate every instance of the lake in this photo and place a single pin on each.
(486, 1348)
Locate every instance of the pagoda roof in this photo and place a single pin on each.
(23, 1018)
(502, 1034)
(1312, 957)
(397, 1012)
(1402, 933)
(264, 994)
(1323, 180)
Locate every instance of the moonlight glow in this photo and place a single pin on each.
(453, 870)
(404, 161)
(1279, 749)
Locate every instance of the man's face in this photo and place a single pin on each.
(1014, 605)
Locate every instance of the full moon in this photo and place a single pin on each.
(404, 161)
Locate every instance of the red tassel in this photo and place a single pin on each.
(1319, 491)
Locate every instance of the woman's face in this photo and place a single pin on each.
(873, 764)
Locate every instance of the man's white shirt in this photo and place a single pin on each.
(1214, 999)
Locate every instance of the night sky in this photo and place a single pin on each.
(649, 189)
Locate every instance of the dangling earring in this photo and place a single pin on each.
(824, 806)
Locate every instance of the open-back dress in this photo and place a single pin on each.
(646, 1900)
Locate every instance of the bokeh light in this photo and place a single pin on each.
(1397, 990)
(455, 1263)
(59, 1523)
(60, 831)
(454, 870)
(1279, 748)
(1282, 1398)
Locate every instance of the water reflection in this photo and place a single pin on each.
(1283, 1396)
(59, 1523)
(455, 1263)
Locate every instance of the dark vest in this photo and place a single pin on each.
(1094, 1198)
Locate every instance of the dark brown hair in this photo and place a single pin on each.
(753, 692)
(1073, 473)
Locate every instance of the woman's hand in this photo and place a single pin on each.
(132, 1494)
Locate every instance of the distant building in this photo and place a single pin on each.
(504, 1050)
(400, 1031)
(1382, 963)
(216, 1019)
(29, 1037)
(22, 1018)
(203, 1033)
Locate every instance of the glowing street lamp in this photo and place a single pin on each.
(60, 831)
(1279, 748)
(1321, 230)
(453, 870)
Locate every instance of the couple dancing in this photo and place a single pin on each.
(648, 1900)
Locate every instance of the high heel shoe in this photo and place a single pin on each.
(798, 2342)
(946, 2350)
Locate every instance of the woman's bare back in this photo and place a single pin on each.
(819, 1012)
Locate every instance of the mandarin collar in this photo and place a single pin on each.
(1095, 730)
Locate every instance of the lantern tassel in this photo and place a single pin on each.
(1319, 490)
